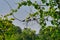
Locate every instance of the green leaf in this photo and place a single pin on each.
(29, 3)
(24, 3)
(47, 4)
(12, 19)
(19, 5)
(43, 1)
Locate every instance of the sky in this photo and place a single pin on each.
(21, 14)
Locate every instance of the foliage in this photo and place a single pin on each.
(9, 31)
(27, 34)
(50, 33)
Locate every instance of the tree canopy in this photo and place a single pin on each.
(9, 31)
